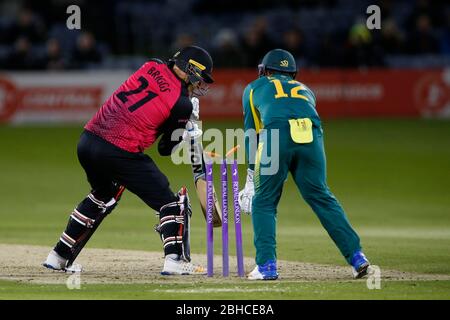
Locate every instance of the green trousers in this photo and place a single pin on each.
(307, 164)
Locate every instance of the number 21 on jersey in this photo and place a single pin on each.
(141, 99)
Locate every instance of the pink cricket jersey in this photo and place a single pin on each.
(150, 102)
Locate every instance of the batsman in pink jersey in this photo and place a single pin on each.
(155, 101)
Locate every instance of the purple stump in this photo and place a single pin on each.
(224, 180)
(237, 218)
(209, 219)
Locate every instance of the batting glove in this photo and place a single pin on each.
(192, 131)
(246, 194)
(195, 108)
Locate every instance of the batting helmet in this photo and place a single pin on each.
(196, 62)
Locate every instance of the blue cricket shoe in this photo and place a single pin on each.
(360, 265)
(267, 271)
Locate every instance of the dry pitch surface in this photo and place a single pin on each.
(107, 266)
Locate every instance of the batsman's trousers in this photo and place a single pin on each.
(307, 164)
(105, 163)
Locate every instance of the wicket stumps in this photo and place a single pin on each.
(224, 180)
(237, 216)
(209, 219)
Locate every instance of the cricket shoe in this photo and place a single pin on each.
(267, 271)
(177, 266)
(56, 262)
(360, 265)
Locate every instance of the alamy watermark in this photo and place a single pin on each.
(74, 20)
(374, 278)
(374, 20)
(73, 282)
(216, 143)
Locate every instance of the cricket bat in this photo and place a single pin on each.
(198, 171)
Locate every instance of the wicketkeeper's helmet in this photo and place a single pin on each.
(278, 60)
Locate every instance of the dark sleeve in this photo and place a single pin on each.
(179, 116)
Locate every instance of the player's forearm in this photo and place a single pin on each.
(250, 153)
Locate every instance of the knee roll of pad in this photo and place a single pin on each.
(90, 208)
(83, 217)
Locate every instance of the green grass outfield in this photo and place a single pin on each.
(392, 177)
(239, 290)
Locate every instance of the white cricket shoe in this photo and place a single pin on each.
(174, 266)
(56, 262)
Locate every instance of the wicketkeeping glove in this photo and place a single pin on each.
(246, 194)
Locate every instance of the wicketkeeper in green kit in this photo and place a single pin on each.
(277, 101)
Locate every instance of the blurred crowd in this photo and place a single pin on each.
(26, 45)
(323, 33)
